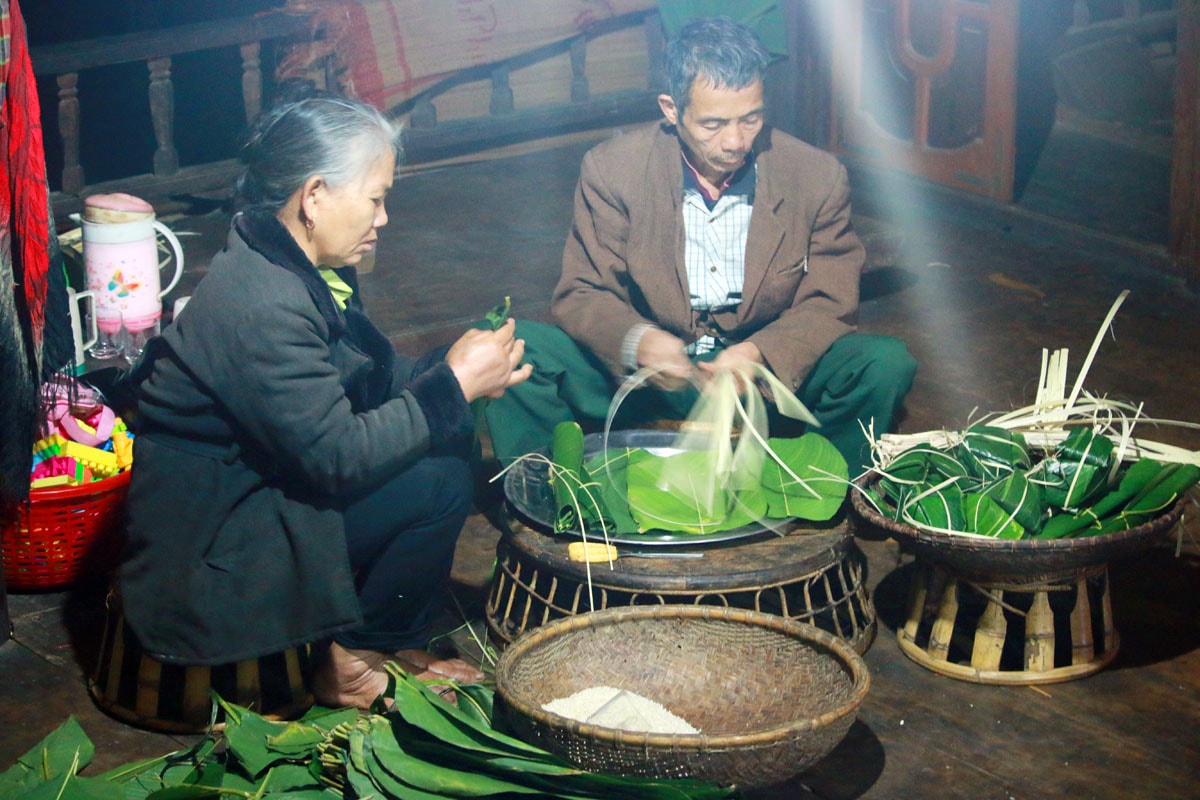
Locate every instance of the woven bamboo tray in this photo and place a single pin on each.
(1006, 559)
(770, 696)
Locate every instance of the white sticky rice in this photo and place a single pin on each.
(617, 708)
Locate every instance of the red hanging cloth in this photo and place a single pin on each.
(24, 255)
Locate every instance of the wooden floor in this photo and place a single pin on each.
(977, 290)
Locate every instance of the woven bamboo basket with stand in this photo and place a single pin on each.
(769, 695)
(1012, 611)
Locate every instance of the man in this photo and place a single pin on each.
(702, 244)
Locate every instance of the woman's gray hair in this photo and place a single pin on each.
(724, 52)
(334, 137)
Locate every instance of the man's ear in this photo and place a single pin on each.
(667, 105)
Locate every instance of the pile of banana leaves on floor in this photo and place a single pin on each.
(1072, 464)
(423, 749)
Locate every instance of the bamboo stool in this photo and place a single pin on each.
(1015, 631)
(133, 687)
(813, 576)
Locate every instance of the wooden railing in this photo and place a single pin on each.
(156, 48)
(1083, 13)
(427, 136)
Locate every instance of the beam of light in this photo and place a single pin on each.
(946, 334)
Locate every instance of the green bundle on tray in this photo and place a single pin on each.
(634, 489)
(991, 483)
(1069, 465)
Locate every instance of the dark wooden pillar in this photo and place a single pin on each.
(6, 630)
(799, 90)
(1185, 161)
(252, 84)
(68, 129)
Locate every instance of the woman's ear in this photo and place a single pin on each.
(311, 195)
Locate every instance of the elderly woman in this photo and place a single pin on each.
(297, 481)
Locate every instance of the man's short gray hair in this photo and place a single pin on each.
(726, 53)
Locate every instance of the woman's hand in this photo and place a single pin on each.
(488, 362)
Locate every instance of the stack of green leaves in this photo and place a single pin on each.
(990, 484)
(634, 490)
(422, 749)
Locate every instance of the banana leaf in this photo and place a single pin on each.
(1022, 498)
(1154, 499)
(939, 506)
(50, 770)
(808, 480)
(492, 321)
(1077, 470)
(418, 706)
(258, 743)
(656, 505)
(63, 752)
(608, 471)
(924, 464)
(419, 727)
(566, 478)
(986, 518)
(1136, 477)
(990, 453)
(403, 775)
(74, 787)
(499, 314)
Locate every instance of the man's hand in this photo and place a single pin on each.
(665, 352)
(738, 358)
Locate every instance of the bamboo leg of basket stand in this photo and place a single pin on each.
(916, 603)
(990, 634)
(1039, 633)
(943, 626)
(1083, 642)
(1111, 642)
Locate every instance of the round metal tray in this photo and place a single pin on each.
(527, 487)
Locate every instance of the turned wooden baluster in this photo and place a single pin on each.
(502, 95)
(251, 80)
(424, 113)
(579, 81)
(68, 129)
(1080, 14)
(162, 114)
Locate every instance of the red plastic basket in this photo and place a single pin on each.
(63, 534)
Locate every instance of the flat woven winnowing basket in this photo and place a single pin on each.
(770, 696)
